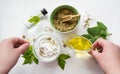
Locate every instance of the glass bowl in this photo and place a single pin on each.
(78, 43)
(46, 48)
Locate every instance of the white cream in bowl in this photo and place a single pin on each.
(46, 48)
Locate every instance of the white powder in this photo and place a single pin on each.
(48, 47)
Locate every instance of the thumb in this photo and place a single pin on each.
(95, 54)
(21, 49)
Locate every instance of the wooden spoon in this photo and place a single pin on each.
(69, 17)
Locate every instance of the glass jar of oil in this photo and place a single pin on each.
(78, 43)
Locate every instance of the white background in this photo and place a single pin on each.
(13, 13)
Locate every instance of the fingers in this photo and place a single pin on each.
(99, 43)
(19, 44)
(15, 40)
(95, 54)
(22, 48)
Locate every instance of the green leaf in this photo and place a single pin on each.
(61, 60)
(27, 61)
(99, 31)
(28, 52)
(64, 56)
(29, 57)
(61, 63)
(101, 26)
(34, 19)
(89, 37)
(94, 31)
(35, 60)
(103, 34)
(93, 40)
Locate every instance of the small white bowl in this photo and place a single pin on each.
(36, 49)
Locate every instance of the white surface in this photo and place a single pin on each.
(14, 12)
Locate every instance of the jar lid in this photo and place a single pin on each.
(44, 11)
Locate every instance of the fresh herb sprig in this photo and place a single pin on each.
(29, 56)
(62, 60)
(99, 31)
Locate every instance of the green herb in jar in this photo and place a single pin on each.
(34, 19)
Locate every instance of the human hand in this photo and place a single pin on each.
(10, 51)
(109, 58)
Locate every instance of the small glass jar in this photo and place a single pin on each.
(33, 30)
(35, 18)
